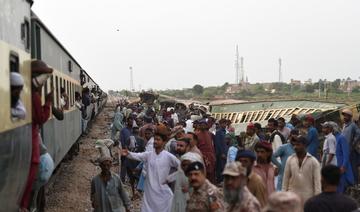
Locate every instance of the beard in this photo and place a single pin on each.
(233, 196)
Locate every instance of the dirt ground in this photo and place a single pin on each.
(69, 190)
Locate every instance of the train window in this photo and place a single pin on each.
(25, 33)
(36, 49)
(56, 94)
(52, 88)
(18, 111)
(14, 62)
(70, 67)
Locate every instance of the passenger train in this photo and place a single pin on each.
(23, 37)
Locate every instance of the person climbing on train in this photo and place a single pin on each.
(40, 114)
(18, 110)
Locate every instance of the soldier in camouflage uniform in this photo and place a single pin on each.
(236, 194)
(205, 197)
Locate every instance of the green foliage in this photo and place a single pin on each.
(198, 89)
(309, 88)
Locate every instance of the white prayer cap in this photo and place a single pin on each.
(191, 156)
(16, 79)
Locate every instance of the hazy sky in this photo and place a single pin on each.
(175, 44)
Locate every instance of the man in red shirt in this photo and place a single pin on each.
(40, 114)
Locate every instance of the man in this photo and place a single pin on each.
(251, 138)
(64, 99)
(193, 143)
(255, 183)
(148, 124)
(220, 149)
(329, 200)
(284, 151)
(181, 188)
(352, 135)
(18, 110)
(343, 159)
(177, 132)
(302, 172)
(294, 122)
(236, 194)
(233, 150)
(182, 146)
(259, 132)
(312, 136)
(107, 191)
(276, 138)
(263, 166)
(284, 202)
(117, 124)
(134, 144)
(157, 195)
(329, 147)
(149, 147)
(283, 129)
(40, 113)
(205, 196)
(206, 147)
(125, 134)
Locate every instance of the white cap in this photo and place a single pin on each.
(16, 79)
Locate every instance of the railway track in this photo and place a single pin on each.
(69, 188)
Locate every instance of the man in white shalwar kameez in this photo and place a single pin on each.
(157, 195)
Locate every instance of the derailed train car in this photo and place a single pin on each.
(243, 113)
(23, 36)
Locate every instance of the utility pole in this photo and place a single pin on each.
(237, 68)
(319, 88)
(132, 89)
(242, 72)
(280, 71)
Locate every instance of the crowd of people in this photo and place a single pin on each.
(197, 163)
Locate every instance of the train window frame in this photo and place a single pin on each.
(70, 66)
(36, 50)
(56, 90)
(52, 88)
(14, 66)
(14, 61)
(25, 33)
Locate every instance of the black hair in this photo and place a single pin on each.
(331, 174)
(281, 119)
(62, 90)
(186, 140)
(301, 139)
(195, 137)
(163, 137)
(258, 126)
(294, 132)
(274, 121)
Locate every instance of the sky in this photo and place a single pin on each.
(176, 44)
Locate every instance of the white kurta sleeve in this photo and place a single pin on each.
(143, 156)
(174, 162)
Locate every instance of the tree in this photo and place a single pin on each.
(309, 88)
(198, 89)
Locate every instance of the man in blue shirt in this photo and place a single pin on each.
(352, 135)
(312, 136)
(342, 157)
(283, 152)
(125, 134)
(220, 150)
